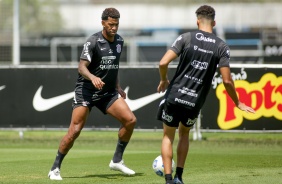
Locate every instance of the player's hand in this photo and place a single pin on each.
(97, 82)
(245, 108)
(163, 85)
(121, 92)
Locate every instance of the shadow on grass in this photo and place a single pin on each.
(107, 176)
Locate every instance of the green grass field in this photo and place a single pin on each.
(221, 158)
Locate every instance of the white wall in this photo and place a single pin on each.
(134, 16)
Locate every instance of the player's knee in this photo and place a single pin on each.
(131, 123)
(73, 135)
(74, 131)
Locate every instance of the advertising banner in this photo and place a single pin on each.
(42, 98)
(260, 88)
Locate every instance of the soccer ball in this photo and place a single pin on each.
(158, 166)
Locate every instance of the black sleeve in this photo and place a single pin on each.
(180, 43)
(88, 49)
(224, 54)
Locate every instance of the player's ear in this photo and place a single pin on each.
(213, 23)
(103, 23)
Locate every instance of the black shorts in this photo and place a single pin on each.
(86, 98)
(172, 114)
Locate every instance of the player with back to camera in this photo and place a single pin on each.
(201, 52)
(98, 85)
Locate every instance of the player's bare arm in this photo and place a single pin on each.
(163, 67)
(83, 70)
(230, 88)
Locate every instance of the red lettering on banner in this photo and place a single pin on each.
(279, 89)
(264, 96)
(268, 88)
(231, 106)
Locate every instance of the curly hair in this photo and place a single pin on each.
(110, 12)
(205, 11)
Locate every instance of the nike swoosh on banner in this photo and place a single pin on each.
(41, 104)
(2, 87)
(141, 102)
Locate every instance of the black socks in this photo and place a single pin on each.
(168, 179)
(178, 173)
(58, 161)
(119, 151)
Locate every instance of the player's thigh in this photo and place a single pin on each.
(79, 117)
(120, 110)
(169, 131)
(183, 130)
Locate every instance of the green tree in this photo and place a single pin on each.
(6, 21)
(37, 17)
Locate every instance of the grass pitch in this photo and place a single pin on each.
(221, 158)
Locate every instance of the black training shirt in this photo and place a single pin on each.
(200, 54)
(104, 61)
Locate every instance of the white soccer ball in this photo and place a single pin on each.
(158, 166)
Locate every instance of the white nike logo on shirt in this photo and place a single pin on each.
(41, 104)
(2, 87)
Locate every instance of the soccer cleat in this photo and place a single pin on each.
(177, 181)
(55, 174)
(169, 182)
(121, 167)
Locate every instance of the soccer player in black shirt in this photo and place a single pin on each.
(201, 52)
(98, 85)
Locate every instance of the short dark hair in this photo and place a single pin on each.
(206, 12)
(110, 12)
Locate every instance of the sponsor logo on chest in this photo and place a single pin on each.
(201, 37)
